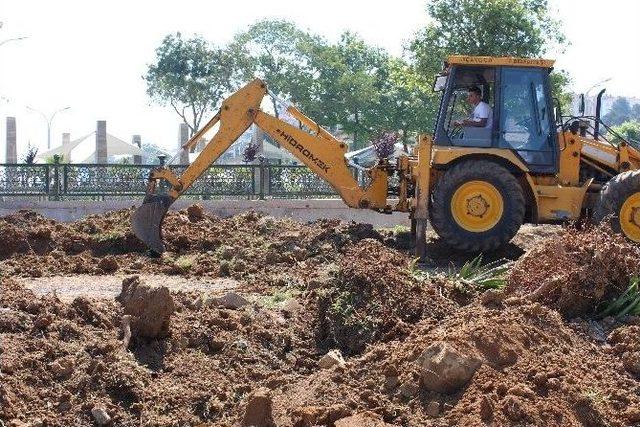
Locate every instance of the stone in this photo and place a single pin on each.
(631, 362)
(231, 300)
(433, 408)
(486, 408)
(332, 358)
(409, 389)
(150, 308)
(216, 344)
(258, 412)
(195, 213)
(108, 264)
(291, 306)
(63, 367)
(391, 382)
(100, 415)
(363, 419)
(444, 369)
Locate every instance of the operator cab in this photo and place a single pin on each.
(499, 103)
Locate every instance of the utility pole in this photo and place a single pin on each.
(48, 120)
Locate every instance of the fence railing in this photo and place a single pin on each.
(66, 181)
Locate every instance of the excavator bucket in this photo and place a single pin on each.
(147, 220)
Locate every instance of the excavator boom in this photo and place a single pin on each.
(318, 149)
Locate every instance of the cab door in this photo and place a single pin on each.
(526, 124)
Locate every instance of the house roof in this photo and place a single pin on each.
(82, 150)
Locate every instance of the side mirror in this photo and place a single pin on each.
(439, 83)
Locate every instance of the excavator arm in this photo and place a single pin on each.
(318, 149)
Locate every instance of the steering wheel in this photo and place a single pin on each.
(457, 132)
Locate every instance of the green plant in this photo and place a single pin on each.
(627, 303)
(278, 296)
(479, 276)
(109, 236)
(185, 262)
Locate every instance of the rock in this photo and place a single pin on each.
(195, 213)
(291, 306)
(100, 415)
(319, 415)
(391, 382)
(63, 367)
(409, 389)
(150, 307)
(486, 408)
(259, 409)
(332, 358)
(631, 362)
(433, 408)
(216, 344)
(444, 369)
(363, 419)
(492, 297)
(108, 264)
(231, 300)
(514, 408)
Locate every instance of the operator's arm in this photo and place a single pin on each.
(474, 123)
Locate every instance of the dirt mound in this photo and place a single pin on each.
(373, 295)
(577, 270)
(418, 349)
(198, 244)
(534, 370)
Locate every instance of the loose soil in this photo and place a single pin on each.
(308, 289)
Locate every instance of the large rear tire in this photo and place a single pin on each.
(619, 204)
(477, 205)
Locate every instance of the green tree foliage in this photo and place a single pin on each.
(619, 113)
(629, 130)
(521, 28)
(191, 76)
(349, 81)
(277, 52)
(407, 102)
(560, 81)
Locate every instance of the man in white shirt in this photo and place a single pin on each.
(482, 116)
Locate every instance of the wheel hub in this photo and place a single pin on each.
(477, 206)
(630, 217)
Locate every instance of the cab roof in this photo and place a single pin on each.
(500, 60)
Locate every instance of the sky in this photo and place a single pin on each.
(90, 56)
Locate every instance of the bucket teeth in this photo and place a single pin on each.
(147, 220)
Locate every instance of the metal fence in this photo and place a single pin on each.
(100, 181)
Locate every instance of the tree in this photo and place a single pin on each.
(521, 28)
(635, 112)
(191, 75)
(407, 102)
(277, 52)
(560, 81)
(619, 113)
(629, 130)
(347, 89)
(30, 154)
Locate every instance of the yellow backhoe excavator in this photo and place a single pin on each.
(475, 184)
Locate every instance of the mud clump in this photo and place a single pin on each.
(577, 270)
(150, 307)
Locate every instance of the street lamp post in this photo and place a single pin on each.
(48, 120)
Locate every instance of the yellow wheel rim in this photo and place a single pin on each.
(477, 206)
(630, 217)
